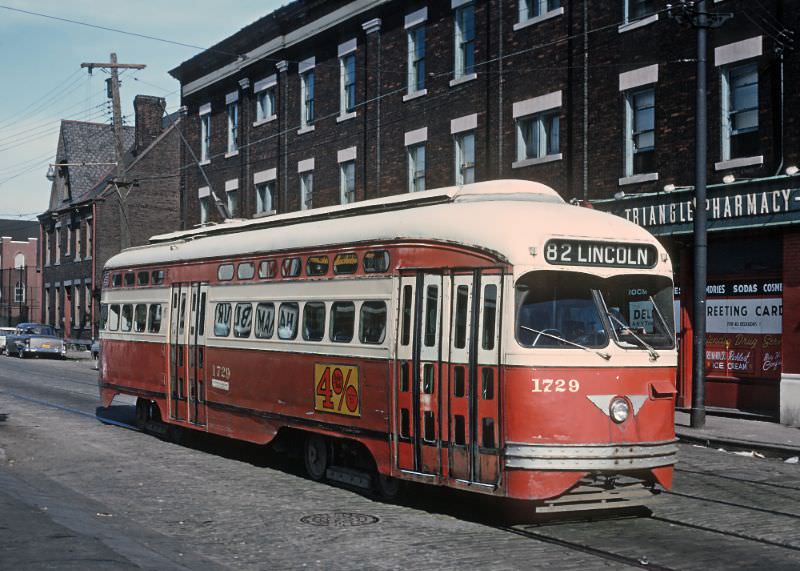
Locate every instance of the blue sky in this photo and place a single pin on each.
(42, 81)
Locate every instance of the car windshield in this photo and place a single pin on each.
(43, 330)
(573, 310)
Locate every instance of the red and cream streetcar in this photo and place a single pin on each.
(488, 337)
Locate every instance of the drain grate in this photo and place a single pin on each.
(339, 519)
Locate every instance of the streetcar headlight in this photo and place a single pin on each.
(619, 410)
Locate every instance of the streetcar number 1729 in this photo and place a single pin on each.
(555, 386)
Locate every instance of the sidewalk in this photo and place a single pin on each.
(769, 438)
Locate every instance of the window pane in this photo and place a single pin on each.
(290, 267)
(265, 320)
(460, 325)
(346, 263)
(129, 279)
(245, 271)
(243, 320)
(143, 278)
(140, 318)
(287, 320)
(317, 265)
(487, 384)
(431, 314)
(113, 316)
(428, 384)
(314, 321)
(372, 322)
(343, 317)
(459, 382)
(157, 277)
(405, 336)
(222, 320)
(266, 269)
(126, 318)
(103, 313)
(489, 316)
(376, 261)
(154, 319)
(225, 272)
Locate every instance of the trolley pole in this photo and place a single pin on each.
(695, 14)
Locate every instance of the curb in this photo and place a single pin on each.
(768, 449)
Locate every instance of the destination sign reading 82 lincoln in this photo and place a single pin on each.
(590, 253)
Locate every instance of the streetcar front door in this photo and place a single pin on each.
(196, 352)
(418, 391)
(473, 373)
(178, 367)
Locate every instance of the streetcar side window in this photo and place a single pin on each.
(489, 316)
(431, 314)
(140, 318)
(460, 435)
(225, 272)
(157, 277)
(116, 280)
(376, 261)
(487, 384)
(372, 328)
(459, 384)
(427, 379)
(288, 314)
(130, 278)
(246, 271)
(142, 278)
(488, 432)
(317, 265)
(222, 320)
(265, 320)
(113, 317)
(404, 378)
(103, 316)
(343, 317)
(243, 320)
(462, 298)
(429, 434)
(345, 263)
(405, 423)
(154, 318)
(266, 269)
(405, 334)
(201, 318)
(126, 318)
(314, 321)
(290, 268)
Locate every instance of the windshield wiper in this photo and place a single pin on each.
(627, 329)
(603, 354)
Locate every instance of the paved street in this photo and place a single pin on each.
(79, 494)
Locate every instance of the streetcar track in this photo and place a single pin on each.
(597, 552)
(731, 504)
(737, 535)
(743, 480)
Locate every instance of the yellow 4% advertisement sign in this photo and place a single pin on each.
(337, 389)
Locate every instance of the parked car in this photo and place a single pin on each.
(4, 332)
(35, 339)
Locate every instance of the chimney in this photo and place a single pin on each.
(149, 111)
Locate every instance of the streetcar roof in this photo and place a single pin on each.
(505, 217)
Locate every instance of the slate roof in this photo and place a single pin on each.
(19, 230)
(82, 142)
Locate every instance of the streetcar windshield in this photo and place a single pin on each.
(573, 310)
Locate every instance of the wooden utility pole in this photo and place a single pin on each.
(119, 181)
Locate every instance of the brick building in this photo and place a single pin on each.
(93, 215)
(20, 280)
(320, 103)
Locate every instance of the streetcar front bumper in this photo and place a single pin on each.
(591, 457)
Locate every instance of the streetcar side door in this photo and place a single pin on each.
(473, 388)
(417, 393)
(178, 318)
(196, 351)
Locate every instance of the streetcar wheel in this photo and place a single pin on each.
(388, 488)
(142, 407)
(316, 456)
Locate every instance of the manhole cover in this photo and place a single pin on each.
(339, 519)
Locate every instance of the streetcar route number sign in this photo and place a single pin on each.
(337, 389)
(608, 254)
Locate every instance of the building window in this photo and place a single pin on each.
(19, 293)
(464, 41)
(637, 9)
(347, 69)
(465, 157)
(538, 136)
(264, 192)
(739, 111)
(233, 126)
(306, 190)
(69, 241)
(640, 141)
(416, 167)
(416, 59)
(530, 9)
(204, 206)
(232, 202)
(78, 234)
(347, 181)
(205, 137)
(88, 238)
(307, 98)
(47, 247)
(58, 245)
(265, 104)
